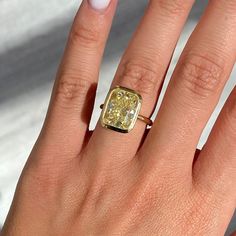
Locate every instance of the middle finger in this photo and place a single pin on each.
(195, 88)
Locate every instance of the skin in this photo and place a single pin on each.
(143, 183)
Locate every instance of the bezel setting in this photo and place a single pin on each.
(121, 109)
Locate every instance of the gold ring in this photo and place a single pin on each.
(121, 110)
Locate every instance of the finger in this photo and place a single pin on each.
(214, 172)
(74, 91)
(142, 69)
(216, 165)
(195, 88)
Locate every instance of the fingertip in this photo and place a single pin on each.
(99, 5)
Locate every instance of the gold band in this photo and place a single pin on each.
(144, 119)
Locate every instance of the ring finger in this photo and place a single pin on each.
(142, 69)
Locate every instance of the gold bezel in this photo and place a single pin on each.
(105, 109)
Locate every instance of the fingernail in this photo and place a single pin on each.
(99, 4)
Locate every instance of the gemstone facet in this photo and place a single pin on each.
(121, 109)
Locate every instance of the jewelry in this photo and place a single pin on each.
(121, 110)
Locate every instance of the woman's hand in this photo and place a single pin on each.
(140, 183)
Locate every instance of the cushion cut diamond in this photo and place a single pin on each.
(121, 109)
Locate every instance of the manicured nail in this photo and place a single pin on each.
(99, 4)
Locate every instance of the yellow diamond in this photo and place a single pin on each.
(121, 109)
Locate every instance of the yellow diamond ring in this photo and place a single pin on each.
(121, 110)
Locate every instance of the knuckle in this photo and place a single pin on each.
(71, 90)
(199, 211)
(207, 197)
(139, 76)
(172, 7)
(232, 5)
(46, 177)
(196, 217)
(165, 189)
(228, 6)
(83, 35)
(201, 75)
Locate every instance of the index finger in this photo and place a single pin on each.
(75, 87)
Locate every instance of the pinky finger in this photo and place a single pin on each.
(215, 168)
(218, 157)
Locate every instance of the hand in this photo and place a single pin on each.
(140, 183)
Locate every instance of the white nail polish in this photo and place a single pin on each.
(99, 4)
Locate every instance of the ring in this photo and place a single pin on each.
(121, 110)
